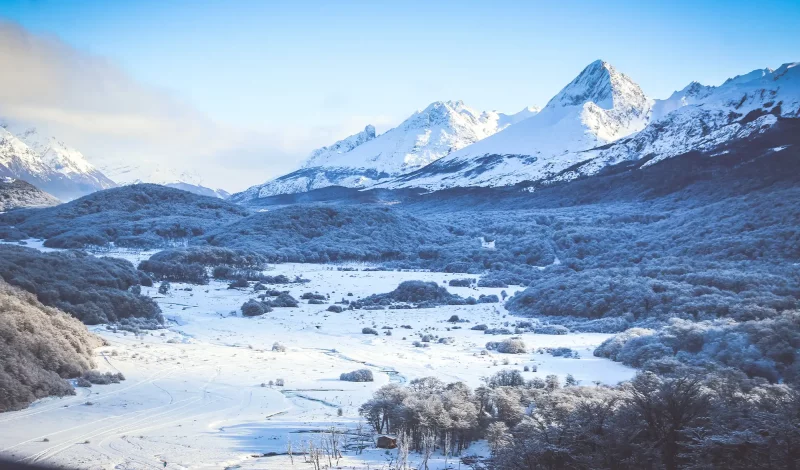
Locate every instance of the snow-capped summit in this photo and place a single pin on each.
(600, 106)
(702, 117)
(62, 158)
(366, 158)
(47, 163)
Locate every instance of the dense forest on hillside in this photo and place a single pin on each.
(39, 347)
(94, 290)
(140, 216)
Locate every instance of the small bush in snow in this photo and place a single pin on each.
(240, 283)
(508, 346)
(283, 300)
(335, 309)
(99, 378)
(278, 347)
(253, 308)
(369, 331)
(361, 375)
(551, 330)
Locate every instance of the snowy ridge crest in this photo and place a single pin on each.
(365, 158)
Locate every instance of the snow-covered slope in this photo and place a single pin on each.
(602, 118)
(165, 175)
(48, 163)
(199, 189)
(15, 194)
(704, 117)
(366, 158)
(601, 105)
(62, 158)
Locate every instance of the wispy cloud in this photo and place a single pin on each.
(117, 121)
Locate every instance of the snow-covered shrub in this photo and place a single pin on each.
(562, 352)
(335, 309)
(253, 308)
(278, 347)
(483, 282)
(422, 293)
(164, 288)
(551, 330)
(466, 282)
(360, 375)
(507, 346)
(81, 382)
(505, 378)
(480, 327)
(369, 331)
(283, 300)
(488, 299)
(174, 271)
(312, 296)
(454, 319)
(240, 283)
(99, 378)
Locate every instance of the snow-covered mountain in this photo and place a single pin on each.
(549, 147)
(47, 163)
(600, 106)
(365, 158)
(199, 189)
(158, 173)
(705, 117)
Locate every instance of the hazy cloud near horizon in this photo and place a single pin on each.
(118, 122)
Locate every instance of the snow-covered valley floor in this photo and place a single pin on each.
(197, 393)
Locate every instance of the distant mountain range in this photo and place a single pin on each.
(364, 159)
(600, 118)
(53, 166)
(47, 163)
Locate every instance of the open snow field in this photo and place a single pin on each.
(197, 393)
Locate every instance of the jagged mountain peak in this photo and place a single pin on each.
(365, 158)
(599, 83)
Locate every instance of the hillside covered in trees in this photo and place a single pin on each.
(40, 346)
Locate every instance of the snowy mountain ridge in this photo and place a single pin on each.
(703, 117)
(600, 106)
(365, 158)
(60, 157)
(47, 163)
(580, 131)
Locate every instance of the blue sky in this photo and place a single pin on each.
(311, 71)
